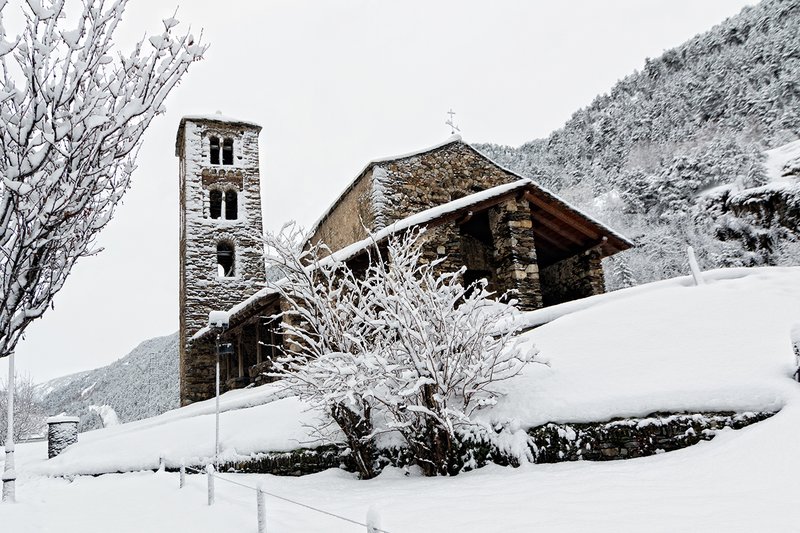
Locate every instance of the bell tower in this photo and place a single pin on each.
(221, 252)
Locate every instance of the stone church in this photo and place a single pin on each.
(478, 215)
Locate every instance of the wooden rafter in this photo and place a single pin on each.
(552, 240)
(561, 215)
(560, 229)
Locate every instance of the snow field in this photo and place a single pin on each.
(669, 346)
(666, 347)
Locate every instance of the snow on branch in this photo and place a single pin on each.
(72, 114)
(395, 345)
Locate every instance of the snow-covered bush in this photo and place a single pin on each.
(395, 346)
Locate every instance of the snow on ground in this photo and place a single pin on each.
(780, 159)
(742, 481)
(666, 346)
(725, 345)
(721, 346)
(252, 420)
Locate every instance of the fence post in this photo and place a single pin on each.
(694, 267)
(262, 510)
(373, 521)
(183, 475)
(210, 476)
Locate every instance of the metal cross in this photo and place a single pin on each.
(449, 122)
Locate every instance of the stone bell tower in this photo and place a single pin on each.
(221, 252)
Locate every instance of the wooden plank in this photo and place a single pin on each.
(560, 230)
(552, 240)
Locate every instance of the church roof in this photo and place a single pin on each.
(584, 232)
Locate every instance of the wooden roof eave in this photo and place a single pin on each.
(609, 242)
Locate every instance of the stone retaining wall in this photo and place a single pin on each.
(295, 463)
(634, 437)
(550, 443)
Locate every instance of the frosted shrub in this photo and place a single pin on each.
(396, 346)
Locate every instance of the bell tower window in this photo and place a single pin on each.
(231, 205)
(214, 150)
(215, 203)
(227, 151)
(225, 260)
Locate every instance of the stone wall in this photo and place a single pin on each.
(201, 288)
(575, 277)
(346, 222)
(515, 253)
(413, 184)
(295, 463)
(629, 438)
(389, 191)
(550, 443)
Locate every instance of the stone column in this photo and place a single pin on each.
(61, 432)
(515, 253)
(594, 271)
(443, 242)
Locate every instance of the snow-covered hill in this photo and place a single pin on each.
(142, 384)
(665, 346)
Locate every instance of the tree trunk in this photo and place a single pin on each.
(357, 429)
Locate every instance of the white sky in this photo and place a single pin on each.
(335, 84)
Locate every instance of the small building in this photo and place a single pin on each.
(494, 223)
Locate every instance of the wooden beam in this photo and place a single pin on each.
(552, 240)
(466, 218)
(258, 344)
(561, 215)
(240, 353)
(561, 231)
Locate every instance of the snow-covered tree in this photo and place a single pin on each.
(72, 113)
(29, 413)
(394, 346)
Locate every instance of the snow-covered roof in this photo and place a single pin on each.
(456, 139)
(219, 117)
(481, 199)
(214, 117)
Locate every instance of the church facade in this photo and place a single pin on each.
(478, 216)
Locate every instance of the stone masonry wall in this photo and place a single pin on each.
(629, 438)
(347, 221)
(393, 190)
(575, 277)
(419, 182)
(515, 253)
(201, 289)
(551, 443)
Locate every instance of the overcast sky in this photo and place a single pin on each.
(335, 84)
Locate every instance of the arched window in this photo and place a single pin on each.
(214, 153)
(231, 205)
(227, 151)
(215, 203)
(225, 260)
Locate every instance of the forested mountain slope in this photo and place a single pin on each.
(142, 384)
(674, 154)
